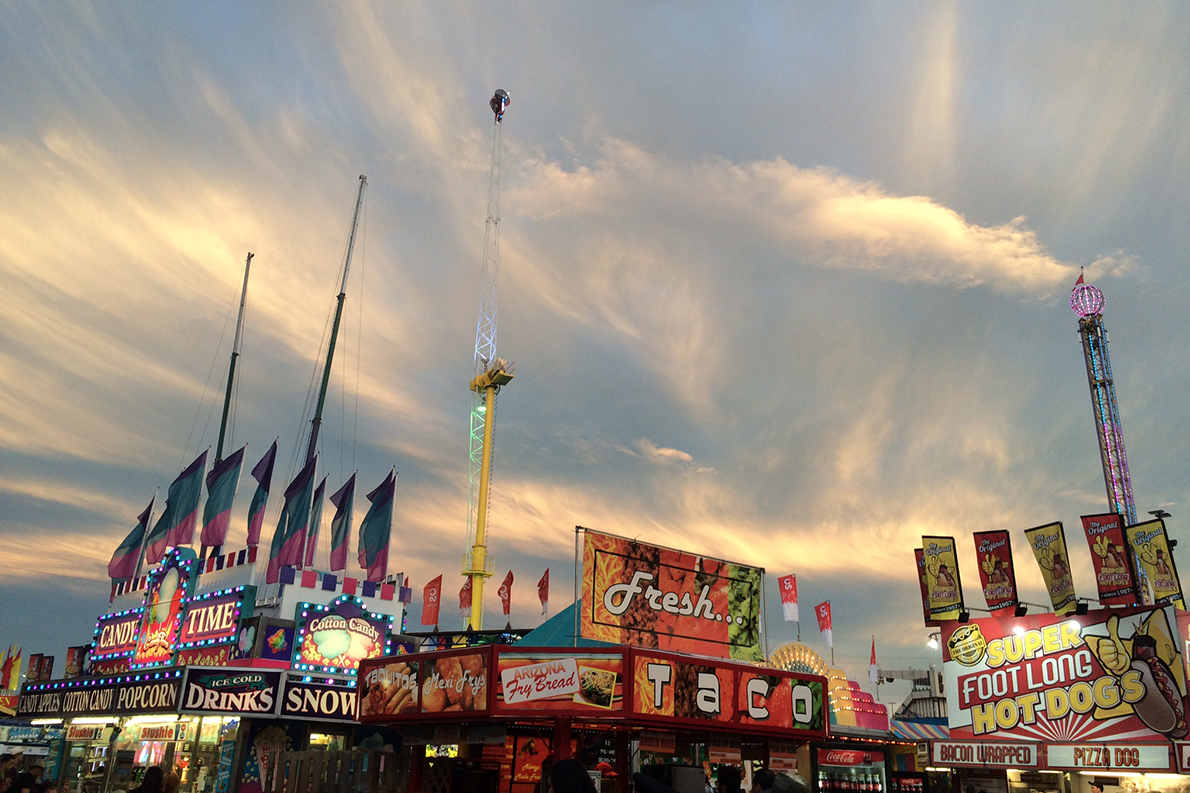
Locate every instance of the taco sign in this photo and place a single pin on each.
(1051, 678)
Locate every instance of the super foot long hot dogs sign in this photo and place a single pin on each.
(1095, 677)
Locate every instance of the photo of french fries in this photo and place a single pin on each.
(391, 689)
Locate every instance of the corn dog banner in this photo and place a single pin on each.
(648, 596)
(993, 549)
(1150, 548)
(1049, 546)
(624, 685)
(1111, 559)
(1114, 675)
(944, 590)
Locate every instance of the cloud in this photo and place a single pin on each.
(659, 454)
(815, 216)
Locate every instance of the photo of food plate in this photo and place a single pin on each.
(596, 687)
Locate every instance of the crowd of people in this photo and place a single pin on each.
(18, 775)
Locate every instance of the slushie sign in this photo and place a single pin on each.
(647, 596)
(1053, 678)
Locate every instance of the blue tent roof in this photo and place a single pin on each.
(558, 631)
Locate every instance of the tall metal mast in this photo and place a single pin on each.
(235, 353)
(316, 422)
(491, 373)
(1087, 301)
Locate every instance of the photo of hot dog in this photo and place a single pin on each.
(1147, 655)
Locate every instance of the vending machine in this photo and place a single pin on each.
(850, 769)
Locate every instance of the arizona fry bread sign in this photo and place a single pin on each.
(1101, 677)
(659, 598)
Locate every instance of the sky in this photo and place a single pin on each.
(786, 285)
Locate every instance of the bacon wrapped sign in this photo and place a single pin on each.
(659, 598)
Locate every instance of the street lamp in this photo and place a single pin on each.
(934, 638)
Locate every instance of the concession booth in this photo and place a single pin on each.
(658, 668)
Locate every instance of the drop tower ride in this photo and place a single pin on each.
(1087, 301)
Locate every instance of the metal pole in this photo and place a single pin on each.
(479, 570)
(316, 422)
(235, 353)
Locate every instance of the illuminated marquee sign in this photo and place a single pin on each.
(336, 637)
(169, 587)
(146, 692)
(214, 617)
(115, 634)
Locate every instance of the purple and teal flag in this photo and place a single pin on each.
(376, 529)
(289, 541)
(222, 482)
(315, 522)
(176, 524)
(344, 501)
(263, 474)
(124, 561)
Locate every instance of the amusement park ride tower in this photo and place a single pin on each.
(1087, 302)
(491, 373)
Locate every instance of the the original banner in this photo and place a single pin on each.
(322, 700)
(1049, 546)
(1150, 548)
(572, 682)
(993, 550)
(337, 636)
(647, 596)
(919, 558)
(141, 693)
(234, 691)
(170, 584)
(1111, 559)
(1105, 677)
(944, 590)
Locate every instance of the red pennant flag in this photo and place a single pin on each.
(1080, 279)
(465, 598)
(543, 591)
(788, 586)
(873, 675)
(505, 593)
(431, 600)
(823, 610)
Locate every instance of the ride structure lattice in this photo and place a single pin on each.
(490, 374)
(1087, 301)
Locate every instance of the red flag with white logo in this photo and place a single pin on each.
(465, 598)
(543, 591)
(505, 593)
(823, 610)
(788, 586)
(431, 600)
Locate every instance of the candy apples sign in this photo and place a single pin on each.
(336, 637)
(1052, 678)
(660, 598)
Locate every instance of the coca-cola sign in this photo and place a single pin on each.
(843, 757)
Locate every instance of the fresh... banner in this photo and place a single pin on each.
(993, 550)
(1049, 546)
(944, 591)
(648, 596)
(1051, 678)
